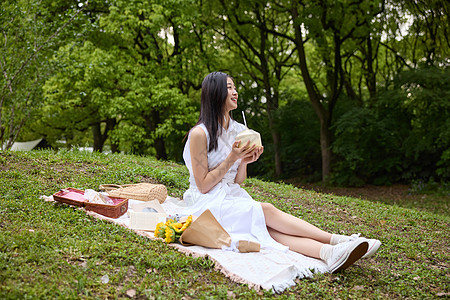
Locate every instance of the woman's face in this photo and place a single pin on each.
(231, 101)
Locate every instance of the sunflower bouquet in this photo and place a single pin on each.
(172, 230)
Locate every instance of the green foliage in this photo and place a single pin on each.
(430, 187)
(403, 137)
(125, 76)
(30, 32)
(368, 147)
(427, 38)
(299, 128)
(22, 32)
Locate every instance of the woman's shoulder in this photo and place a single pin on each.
(198, 131)
(199, 128)
(198, 140)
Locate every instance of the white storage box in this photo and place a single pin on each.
(146, 220)
(145, 216)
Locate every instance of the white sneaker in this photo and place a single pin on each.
(373, 245)
(345, 254)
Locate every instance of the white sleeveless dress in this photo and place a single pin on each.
(240, 215)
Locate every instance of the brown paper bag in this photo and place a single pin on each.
(206, 231)
(248, 246)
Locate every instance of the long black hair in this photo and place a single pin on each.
(214, 95)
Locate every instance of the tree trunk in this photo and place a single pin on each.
(272, 106)
(152, 121)
(322, 114)
(370, 77)
(276, 143)
(110, 124)
(276, 139)
(114, 147)
(272, 102)
(98, 138)
(160, 147)
(325, 148)
(159, 144)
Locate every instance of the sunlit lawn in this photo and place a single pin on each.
(54, 251)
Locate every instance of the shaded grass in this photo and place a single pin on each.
(434, 198)
(55, 251)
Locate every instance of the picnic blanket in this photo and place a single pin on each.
(269, 269)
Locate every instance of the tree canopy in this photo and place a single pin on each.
(344, 91)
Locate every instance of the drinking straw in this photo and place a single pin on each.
(243, 116)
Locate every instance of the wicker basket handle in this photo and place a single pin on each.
(109, 187)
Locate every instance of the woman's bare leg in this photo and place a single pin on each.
(305, 246)
(292, 226)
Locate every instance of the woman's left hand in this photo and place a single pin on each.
(253, 156)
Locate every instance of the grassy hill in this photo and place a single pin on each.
(54, 251)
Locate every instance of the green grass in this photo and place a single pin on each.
(54, 251)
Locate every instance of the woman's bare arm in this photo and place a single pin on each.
(242, 169)
(205, 179)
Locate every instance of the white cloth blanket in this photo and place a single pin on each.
(269, 269)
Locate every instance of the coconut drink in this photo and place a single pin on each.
(248, 135)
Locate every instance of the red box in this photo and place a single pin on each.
(75, 197)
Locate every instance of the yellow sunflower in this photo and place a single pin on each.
(187, 223)
(170, 235)
(160, 230)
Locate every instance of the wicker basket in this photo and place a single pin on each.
(111, 211)
(139, 191)
(75, 197)
(70, 196)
